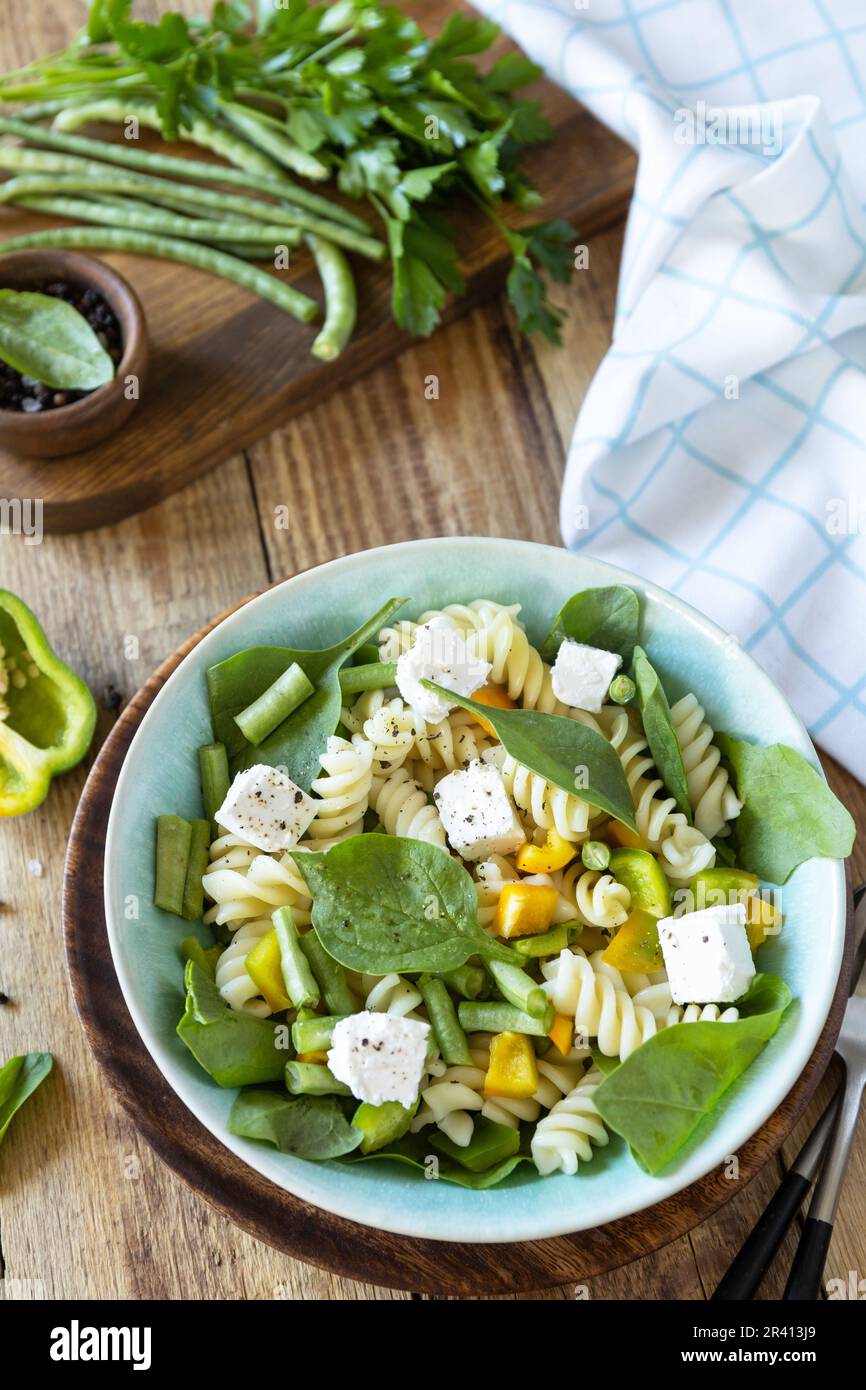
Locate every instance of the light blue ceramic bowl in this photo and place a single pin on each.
(318, 608)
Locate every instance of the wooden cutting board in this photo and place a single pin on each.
(227, 368)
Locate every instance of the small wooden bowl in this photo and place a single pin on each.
(69, 429)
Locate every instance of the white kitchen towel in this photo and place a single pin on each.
(721, 449)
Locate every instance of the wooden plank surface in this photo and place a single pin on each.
(226, 367)
(85, 1209)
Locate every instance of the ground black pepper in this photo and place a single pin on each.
(23, 393)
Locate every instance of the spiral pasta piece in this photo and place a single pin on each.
(391, 731)
(244, 883)
(597, 899)
(391, 994)
(598, 1002)
(713, 799)
(566, 1136)
(544, 805)
(451, 1102)
(491, 875)
(657, 998)
(402, 807)
(344, 792)
(238, 988)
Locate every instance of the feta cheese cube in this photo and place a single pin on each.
(707, 955)
(267, 808)
(439, 653)
(581, 675)
(477, 812)
(380, 1057)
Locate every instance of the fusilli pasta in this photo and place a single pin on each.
(344, 792)
(234, 984)
(566, 1136)
(713, 799)
(402, 807)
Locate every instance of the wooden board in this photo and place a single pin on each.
(227, 368)
(291, 1225)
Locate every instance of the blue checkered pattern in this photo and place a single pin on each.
(721, 449)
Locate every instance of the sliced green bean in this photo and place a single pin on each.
(313, 1079)
(140, 218)
(275, 704)
(259, 282)
(330, 975)
(549, 943)
(314, 1034)
(377, 675)
(470, 981)
(443, 1019)
(502, 1018)
(193, 891)
(274, 142)
(341, 298)
(298, 978)
(213, 766)
(173, 836)
(518, 988)
(195, 169)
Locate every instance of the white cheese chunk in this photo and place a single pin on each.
(380, 1057)
(477, 812)
(267, 808)
(439, 653)
(707, 955)
(581, 675)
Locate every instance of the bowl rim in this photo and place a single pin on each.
(129, 311)
(798, 1051)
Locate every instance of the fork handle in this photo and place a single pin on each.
(749, 1266)
(804, 1281)
(807, 1268)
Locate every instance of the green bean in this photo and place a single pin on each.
(550, 943)
(298, 978)
(184, 252)
(443, 1018)
(173, 837)
(341, 299)
(213, 766)
(200, 131)
(330, 975)
(622, 690)
(375, 676)
(137, 217)
(267, 136)
(468, 980)
(313, 1079)
(275, 704)
(502, 1018)
(518, 988)
(193, 891)
(595, 854)
(314, 1034)
(195, 169)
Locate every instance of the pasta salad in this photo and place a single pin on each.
(462, 898)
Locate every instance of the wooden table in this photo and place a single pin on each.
(86, 1211)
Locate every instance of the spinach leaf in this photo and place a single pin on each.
(47, 339)
(309, 1127)
(658, 1096)
(18, 1080)
(383, 903)
(235, 1049)
(789, 813)
(659, 729)
(299, 742)
(561, 750)
(414, 1152)
(608, 617)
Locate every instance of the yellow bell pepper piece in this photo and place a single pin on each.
(562, 1033)
(264, 969)
(760, 915)
(554, 854)
(621, 835)
(636, 946)
(497, 698)
(513, 1070)
(524, 909)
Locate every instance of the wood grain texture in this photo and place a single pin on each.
(343, 1247)
(226, 368)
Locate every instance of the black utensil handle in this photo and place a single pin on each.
(750, 1264)
(804, 1281)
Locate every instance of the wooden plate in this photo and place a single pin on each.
(293, 1226)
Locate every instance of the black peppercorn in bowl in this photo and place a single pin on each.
(38, 421)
